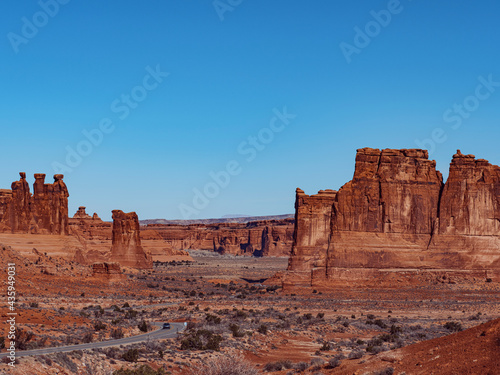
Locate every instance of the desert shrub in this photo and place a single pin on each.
(201, 339)
(117, 333)
(88, 337)
(301, 366)
(141, 370)
(34, 304)
(317, 363)
(143, 326)
(225, 366)
(65, 361)
(241, 314)
(335, 361)
(23, 338)
(320, 315)
(475, 317)
(131, 355)
(212, 319)
(2, 342)
(126, 304)
(278, 366)
(370, 317)
(355, 354)
(380, 323)
(130, 314)
(47, 360)
(386, 371)
(262, 329)
(235, 329)
(326, 347)
(453, 326)
(98, 325)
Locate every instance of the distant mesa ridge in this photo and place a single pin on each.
(225, 219)
(396, 213)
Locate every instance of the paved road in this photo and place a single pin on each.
(153, 335)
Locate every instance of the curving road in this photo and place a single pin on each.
(157, 334)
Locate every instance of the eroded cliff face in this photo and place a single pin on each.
(126, 246)
(44, 212)
(397, 214)
(471, 198)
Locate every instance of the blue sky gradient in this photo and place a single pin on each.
(231, 68)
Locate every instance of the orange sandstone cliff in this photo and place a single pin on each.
(396, 215)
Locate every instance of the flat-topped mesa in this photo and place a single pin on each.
(126, 241)
(471, 197)
(46, 211)
(396, 214)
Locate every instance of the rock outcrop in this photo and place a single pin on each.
(126, 246)
(44, 212)
(107, 271)
(396, 214)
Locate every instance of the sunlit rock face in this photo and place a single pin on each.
(396, 213)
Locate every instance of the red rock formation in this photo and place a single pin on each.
(396, 214)
(126, 243)
(50, 205)
(81, 214)
(471, 198)
(108, 271)
(20, 210)
(46, 211)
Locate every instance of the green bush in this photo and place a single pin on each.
(131, 355)
(143, 326)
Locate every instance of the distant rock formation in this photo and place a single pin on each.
(126, 242)
(81, 214)
(257, 238)
(396, 213)
(44, 212)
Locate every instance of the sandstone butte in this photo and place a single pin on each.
(126, 246)
(396, 216)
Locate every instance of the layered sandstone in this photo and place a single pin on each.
(396, 214)
(126, 246)
(44, 212)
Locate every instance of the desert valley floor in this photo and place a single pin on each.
(233, 305)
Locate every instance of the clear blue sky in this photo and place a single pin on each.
(230, 70)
